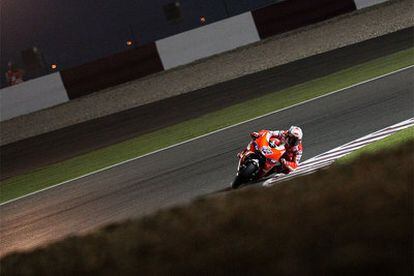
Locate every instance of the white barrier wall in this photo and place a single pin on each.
(360, 4)
(31, 96)
(208, 40)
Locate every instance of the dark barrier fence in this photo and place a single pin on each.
(145, 60)
(106, 72)
(292, 14)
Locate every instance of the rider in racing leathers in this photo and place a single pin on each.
(292, 138)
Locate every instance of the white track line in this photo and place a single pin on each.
(207, 134)
(325, 159)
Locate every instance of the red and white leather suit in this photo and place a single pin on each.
(293, 153)
(291, 158)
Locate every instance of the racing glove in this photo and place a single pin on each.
(287, 165)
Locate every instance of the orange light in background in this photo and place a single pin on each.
(129, 43)
(202, 19)
(53, 66)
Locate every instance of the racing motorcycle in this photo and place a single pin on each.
(257, 161)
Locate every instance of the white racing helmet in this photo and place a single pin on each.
(295, 135)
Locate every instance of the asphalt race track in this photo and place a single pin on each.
(202, 166)
(31, 153)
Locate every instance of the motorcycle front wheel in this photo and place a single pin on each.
(236, 182)
(244, 175)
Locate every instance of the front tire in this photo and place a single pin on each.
(244, 175)
(236, 182)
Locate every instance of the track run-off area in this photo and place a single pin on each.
(201, 166)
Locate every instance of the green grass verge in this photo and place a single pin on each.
(74, 167)
(392, 141)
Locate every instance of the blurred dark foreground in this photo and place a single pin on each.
(354, 219)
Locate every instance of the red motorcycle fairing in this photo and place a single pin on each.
(267, 156)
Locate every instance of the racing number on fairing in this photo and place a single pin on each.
(266, 150)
